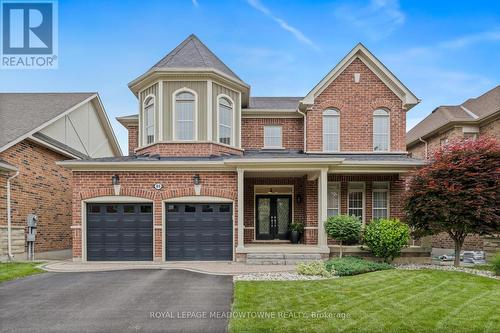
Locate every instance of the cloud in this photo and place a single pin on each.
(377, 19)
(195, 3)
(299, 35)
(464, 41)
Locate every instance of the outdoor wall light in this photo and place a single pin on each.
(299, 199)
(115, 180)
(196, 179)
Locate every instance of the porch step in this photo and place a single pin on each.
(280, 258)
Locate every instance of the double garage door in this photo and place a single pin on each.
(119, 232)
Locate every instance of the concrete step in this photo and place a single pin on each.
(281, 258)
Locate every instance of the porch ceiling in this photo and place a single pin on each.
(280, 174)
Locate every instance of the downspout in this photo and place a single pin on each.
(9, 218)
(425, 143)
(305, 129)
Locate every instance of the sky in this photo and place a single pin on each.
(443, 51)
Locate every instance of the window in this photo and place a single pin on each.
(95, 209)
(189, 209)
(149, 120)
(112, 209)
(443, 141)
(207, 209)
(380, 200)
(331, 130)
(185, 115)
(172, 208)
(471, 135)
(355, 200)
(224, 208)
(380, 130)
(225, 120)
(272, 137)
(146, 209)
(333, 201)
(129, 209)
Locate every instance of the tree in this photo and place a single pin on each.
(457, 192)
(343, 228)
(386, 238)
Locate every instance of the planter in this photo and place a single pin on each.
(294, 237)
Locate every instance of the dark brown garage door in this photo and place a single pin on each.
(119, 232)
(199, 231)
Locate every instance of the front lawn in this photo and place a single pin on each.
(383, 301)
(16, 270)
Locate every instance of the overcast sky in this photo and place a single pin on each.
(444, 51)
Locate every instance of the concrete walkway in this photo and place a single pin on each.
(207, 267)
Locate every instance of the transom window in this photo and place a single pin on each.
(185, 115)
(149, 123)
(333, 201)
(272, 137)
(331, 130)
(355, 200)
(225, 121)
(381, 130)
(380, 199)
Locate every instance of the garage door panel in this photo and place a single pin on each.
(119, 232)
(199, 231)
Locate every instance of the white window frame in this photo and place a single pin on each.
(152, 98)
(331, 113)
(388, 191)
(174, 113)
(232, 119)
(386, 115)
(281, 137)
(338, 187)
(363, 204)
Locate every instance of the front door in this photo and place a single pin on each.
(273, 216)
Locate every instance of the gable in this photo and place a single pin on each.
(81, 130)
(361, 53)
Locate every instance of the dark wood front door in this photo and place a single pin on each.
(273, 216)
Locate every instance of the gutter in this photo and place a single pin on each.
(9, 218)
(426, 148)
(305, 128)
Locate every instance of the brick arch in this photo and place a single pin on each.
(331, 104)
(205, 191)
(131, 192)
(383, 103)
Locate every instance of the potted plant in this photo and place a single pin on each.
(296, 229)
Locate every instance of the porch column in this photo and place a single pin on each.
(241, 208)
(322, 207)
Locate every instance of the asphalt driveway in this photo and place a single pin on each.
(119, 301)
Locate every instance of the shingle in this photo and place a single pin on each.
(21, 113)
(486, 104)
(274, 103)
(192, 53)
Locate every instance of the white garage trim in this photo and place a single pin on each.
(109, 199)
(199, 199)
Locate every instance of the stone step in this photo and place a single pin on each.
(281, 258)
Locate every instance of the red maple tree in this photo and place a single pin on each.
(457, 192)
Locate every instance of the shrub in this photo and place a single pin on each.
(353, 266)
(495, 262)
(316, 268)
(296, 226)
(343, 228)
(386, 238)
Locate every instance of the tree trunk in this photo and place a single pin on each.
(340, 255)
(458, 249)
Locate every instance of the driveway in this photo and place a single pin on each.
(118, 301)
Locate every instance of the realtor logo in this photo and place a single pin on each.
(29, 34)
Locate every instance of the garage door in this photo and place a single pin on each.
(119, 232)
(199, 231)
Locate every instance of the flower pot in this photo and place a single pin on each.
(294, 237)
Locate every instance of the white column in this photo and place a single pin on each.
(322, 207)
(160, 111)
(241, 208)
(210, 122)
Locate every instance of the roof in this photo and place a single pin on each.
(361, 52)
(24, 112)
(5, 166)
(471, 111)
(130, 119)
(274, 103)
(192, 53)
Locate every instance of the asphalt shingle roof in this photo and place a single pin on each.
(21, 113)
(273, 103)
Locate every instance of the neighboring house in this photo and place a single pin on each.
(216, 174)
(474, 118)
(37, 130)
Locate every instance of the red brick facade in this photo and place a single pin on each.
(133, 138)
(89, 184)
(42, 188)
(356, 103)
(252, 134)
(188, 149)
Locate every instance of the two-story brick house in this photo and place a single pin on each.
(214, 173)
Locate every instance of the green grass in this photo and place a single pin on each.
(16, 270)
(484, 267)
(353, 266)
(383, 301)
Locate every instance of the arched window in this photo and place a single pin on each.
(149, 119)
(381, 130)
(185, 116)
(225, 120)
(331, 130)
